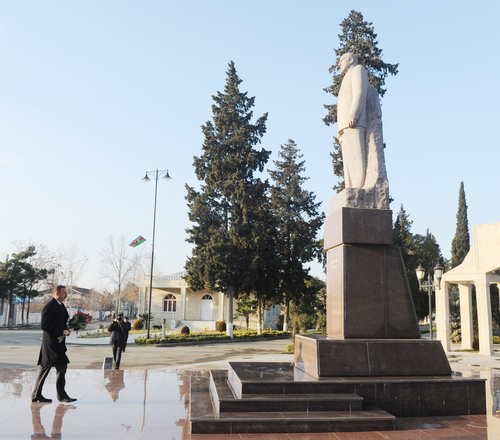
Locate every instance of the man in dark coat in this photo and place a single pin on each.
(119, 329)
(53, 352)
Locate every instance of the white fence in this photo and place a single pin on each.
(35, 318)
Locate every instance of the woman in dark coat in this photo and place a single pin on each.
(53, 352)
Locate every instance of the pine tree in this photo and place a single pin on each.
(233, 229)
(358, 37)
(460, 245)
(298, 222)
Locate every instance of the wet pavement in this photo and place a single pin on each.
(154, 404)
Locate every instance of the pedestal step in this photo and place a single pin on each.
(204, 420)
(225, 401)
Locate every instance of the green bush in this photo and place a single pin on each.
(138, 324)
(290, 348)
(475, 344)
(280, 323)
(185, 330)
(156, 327)
(321, 323)
(221, 326)
(496, 339)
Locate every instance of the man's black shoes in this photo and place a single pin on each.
(41, 399)
(67, 399)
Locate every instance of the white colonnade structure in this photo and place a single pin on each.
(480, 268)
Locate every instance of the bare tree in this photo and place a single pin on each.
(118, 263)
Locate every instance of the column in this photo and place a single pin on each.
(484, 315)
(220, 311)
(466, 315)
(183, 304)
(443, 314)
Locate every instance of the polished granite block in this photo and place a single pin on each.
(358, 226)
(368, 295)
(321, 356)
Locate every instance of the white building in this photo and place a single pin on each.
(175, 302)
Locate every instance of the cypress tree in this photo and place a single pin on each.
(233, 230)
(298, 222)
(358, 37)
(460, 245)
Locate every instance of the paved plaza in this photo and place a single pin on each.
(149, 399)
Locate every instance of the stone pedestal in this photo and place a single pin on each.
(372, 328)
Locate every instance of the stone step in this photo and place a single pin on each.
(225, 401)
(204, 419)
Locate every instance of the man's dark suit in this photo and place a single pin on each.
(53, 352)
(119, 335)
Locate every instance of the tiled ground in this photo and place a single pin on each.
(147, 404)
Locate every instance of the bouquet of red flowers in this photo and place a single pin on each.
(77, 322)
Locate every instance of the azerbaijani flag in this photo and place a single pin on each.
(139, 240)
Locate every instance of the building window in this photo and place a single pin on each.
(170, 303)
(207, 297)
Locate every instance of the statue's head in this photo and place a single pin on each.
(347, 60)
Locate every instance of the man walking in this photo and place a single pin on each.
(53, 351)
(119, 334)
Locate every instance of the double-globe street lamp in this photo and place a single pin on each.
(156, 175)
(429, 286)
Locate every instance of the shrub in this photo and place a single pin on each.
(304, 322)
(456, 336)
(475, 344)
(321, 323)
(138, 324)
(156, 327)
(185, 330)
(290, 348)
(496, 339)
(279, 324)
(221, 326)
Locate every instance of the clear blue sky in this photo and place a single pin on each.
(95, 93)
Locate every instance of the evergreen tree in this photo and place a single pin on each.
(358, 37)
(297, 225)
(245, 308)
(460, 245)
(233, 229)
(416, 250)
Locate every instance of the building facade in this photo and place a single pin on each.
(174, 302)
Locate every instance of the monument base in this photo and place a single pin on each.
(320, 356)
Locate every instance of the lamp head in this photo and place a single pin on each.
(166, 176)
(146, 178)
(420, 273)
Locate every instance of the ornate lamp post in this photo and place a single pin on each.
(156, 174)
(429, 286)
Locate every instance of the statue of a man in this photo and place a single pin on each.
(351, 120)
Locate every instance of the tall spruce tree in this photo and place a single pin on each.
(460, 245)
(232, 233)
(298, 222)
(358, 37)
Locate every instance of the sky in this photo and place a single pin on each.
(96, 93)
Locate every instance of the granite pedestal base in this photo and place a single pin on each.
(256, 397)
(321, 356)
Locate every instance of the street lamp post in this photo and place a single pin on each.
(166, 176)
(429, 286)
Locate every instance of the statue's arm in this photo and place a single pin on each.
(359, 84)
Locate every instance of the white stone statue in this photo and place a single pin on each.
(359, 123)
